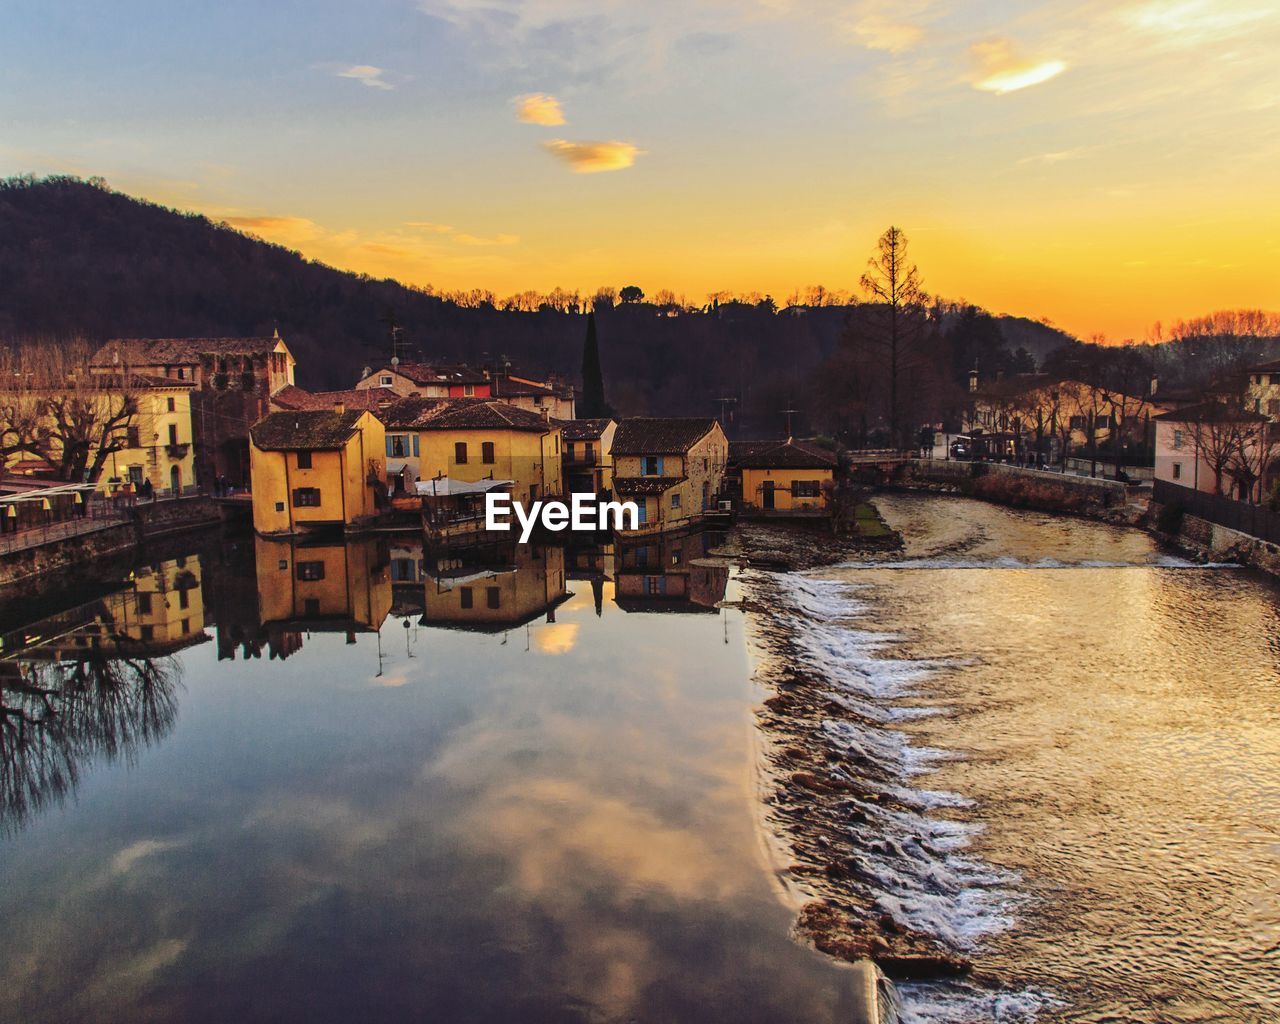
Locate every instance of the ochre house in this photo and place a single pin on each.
(474, 440)
(321, 468)
(782, 477)
(672, 468)
(588, 455)
(427, 380)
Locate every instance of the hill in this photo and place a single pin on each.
(78, 259)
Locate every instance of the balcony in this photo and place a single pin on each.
(583, 460)
(177, 451)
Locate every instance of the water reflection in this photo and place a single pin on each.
(93, 682)
(555, 830)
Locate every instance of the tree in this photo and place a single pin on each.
(895, 323)
(631, 294)
(593, 400)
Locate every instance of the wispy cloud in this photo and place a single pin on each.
(284, 230)
(878, 32)
(1057, 156)
(593, 157)
(465, 239)
(1000, 69)
(365, 74)
(426, 225)
(539, 108)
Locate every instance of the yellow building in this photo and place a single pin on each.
(474, 440)
(159, 440)
(496, 588)
(672, 468)
(316, 469)
(783, 477)
(334, 587)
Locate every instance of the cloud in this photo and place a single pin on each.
(365, 74)
(878, 32)
(1000, 69)
(464, 239)
(426, 225)
(284, 230)
(593, 157)
(539, 108)
(1057, 156)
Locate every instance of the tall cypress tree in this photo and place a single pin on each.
(593, 403)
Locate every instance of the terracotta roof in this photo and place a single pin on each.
(659, 436)
(1271, 366)
(582, 430)
(305, 430)
(461, 414)
(294, 397)
(154, 351)
(435, 373)
(782, 455)
(1211, 412)
(645, 484)
(140, 381)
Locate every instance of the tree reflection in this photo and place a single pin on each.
(56, 718)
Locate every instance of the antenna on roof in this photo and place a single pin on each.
(788, 411)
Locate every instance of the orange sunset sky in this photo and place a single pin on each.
(1103, 165)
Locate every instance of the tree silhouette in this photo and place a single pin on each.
(593, 400)
(631, 293)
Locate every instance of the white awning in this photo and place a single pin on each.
(444, 487)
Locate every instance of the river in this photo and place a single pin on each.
(1079, 738)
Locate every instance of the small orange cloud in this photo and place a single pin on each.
(593, 157)
(539, 108)
(287, 230)
(465, 239)
(999, 69)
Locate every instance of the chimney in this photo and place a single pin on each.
(339, 407)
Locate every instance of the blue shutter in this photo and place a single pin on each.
(415, 445)
(660, 465)
(388, 446)
(643, 507)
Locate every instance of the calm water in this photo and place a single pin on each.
(269, 783)
(1087, 736)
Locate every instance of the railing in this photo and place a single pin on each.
(1241, 516)
(98, 516)
(582, 461)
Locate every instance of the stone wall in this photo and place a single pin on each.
(1207, 540)
(148, 522)
(1021, 488)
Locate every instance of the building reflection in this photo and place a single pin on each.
(669, 573)
(493, 588)
(329, 586)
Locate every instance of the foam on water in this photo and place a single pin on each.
(911, 861)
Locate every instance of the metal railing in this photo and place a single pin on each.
(1241, 516)
(98, 516)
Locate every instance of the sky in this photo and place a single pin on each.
(1104, 165)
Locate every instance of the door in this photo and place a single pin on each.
(766, 496)
(175, 480)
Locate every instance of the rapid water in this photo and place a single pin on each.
(1075, 742)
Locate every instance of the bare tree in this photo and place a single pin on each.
(896, 321)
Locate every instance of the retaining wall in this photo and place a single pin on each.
(1021, 488)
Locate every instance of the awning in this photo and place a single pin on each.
(444, 487)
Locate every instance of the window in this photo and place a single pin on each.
(184, 599)
(396, 446)
(306, 497)
(652, 465)
(466, 597)
(642, 507)
(588, 452)
(460, 453)
(493, 596)
(1177, 470)
(311, 607)
(805, 489)
(468, 389)
(537, 400)
(675, 499)
(1177, 438)
(173, 405)
(182, 373)
(385, 381)
(132, 438)
(304, 461)
(186, 626)
(486, 453)
(147, 634)
(655, 585)
(280, 508)
(311, 571)
(1274, 379)
(533, 493)
(677, 554)
(144, 604)
(173, 433)
(284, 562)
